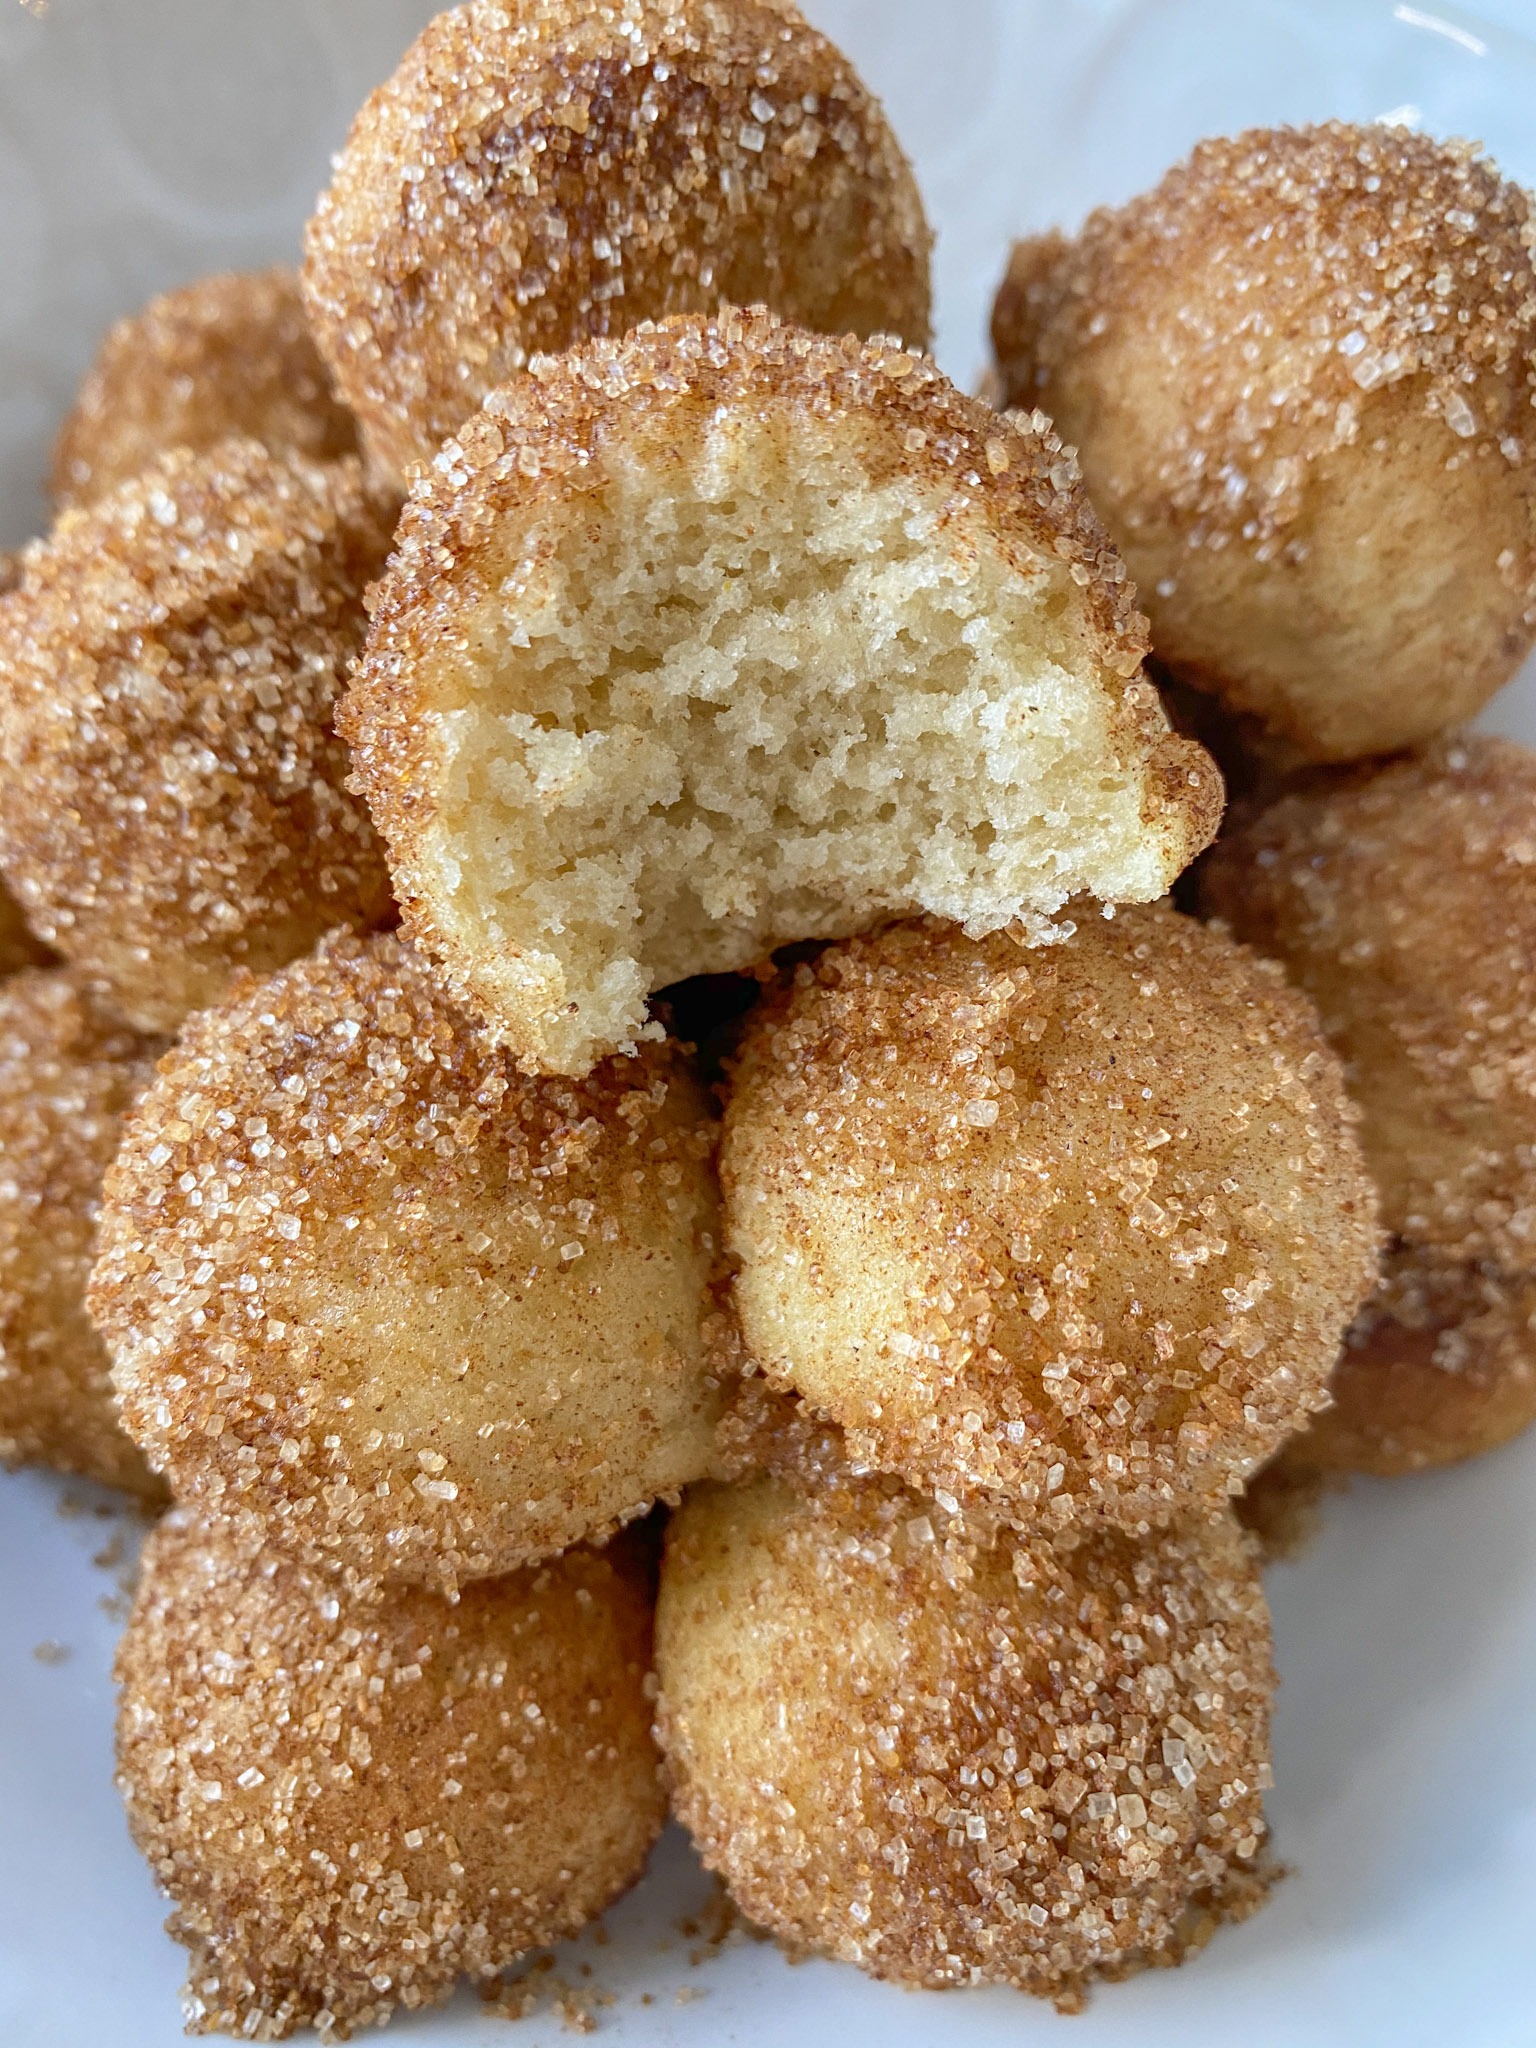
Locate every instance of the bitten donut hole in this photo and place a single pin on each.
(753, 691)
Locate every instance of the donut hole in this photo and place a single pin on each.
(1439, 1366)
(858, 1700)
(750, 691)
(477, 1326)
(1028, 1227)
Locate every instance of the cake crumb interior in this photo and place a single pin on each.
(778, 699)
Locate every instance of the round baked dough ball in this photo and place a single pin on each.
(1299, 376)
(1074, 1230)
(381, 1300)
(228, 355)
(726, 636)
(353, 1802)
(69, 1074)
(539, 173)
(173, 798)
(1027, 1763)
(1439, 1366)
(1402, 898)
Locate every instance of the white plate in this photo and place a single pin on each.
(142, 141)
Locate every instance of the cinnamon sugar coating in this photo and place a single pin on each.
(1073, 1231)
(1440, 1365)
(227, 355)
(352, 1803)
(727, 635)
(69, 1074)
(1299, 376)
(172, 792)
(1402, 898)
(379, 1300)
(540, 171)
(765, 1430)
(1032, 1762)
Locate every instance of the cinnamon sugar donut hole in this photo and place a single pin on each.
(378, 1299)
(1299, 376)
(228, 355)
(352, 1803)
(726, 636)
(1073, 1232)
(961, 1761)
(69, 1074)
(1402, 897)
(539, 172)
(1439, 1366)
(173, 798)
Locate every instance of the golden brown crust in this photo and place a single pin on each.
(1402, 898)
(381, 1300)
(1299, 375)
(69, 1073)
(1073, 1230)
(228, 355)
(541, 446)
(539, 173)
(1439, 1366)
(351, 1803)
(1026, 1763)
(172, 792)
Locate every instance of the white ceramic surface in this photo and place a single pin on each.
(143, 141)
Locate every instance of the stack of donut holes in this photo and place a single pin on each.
(605, 1082)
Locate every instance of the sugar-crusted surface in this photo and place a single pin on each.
(1440, 1365)
(1076, 1230)
(172, 791)
(766, 1430)
(378, 1299)
(69, 1073)
(1333, 260)
(951, 1762)
(727, 635)
(1299, 374)
(228, 355)
(1402, 898)
(352, 1803)
(546, 170)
